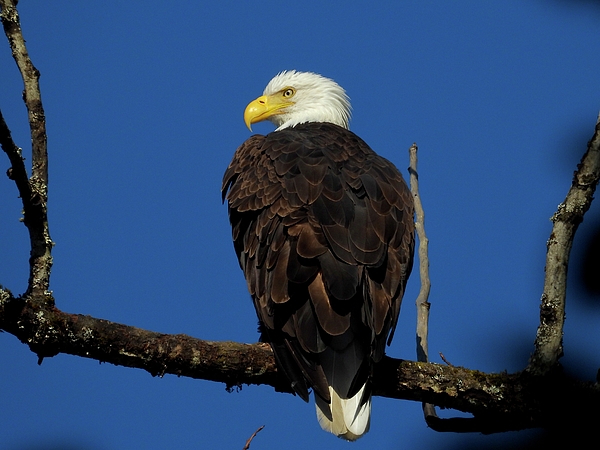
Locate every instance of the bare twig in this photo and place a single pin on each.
(34, 202)
(17, 171)
(422, 300)
(423, 297)
(548, 342)
(247, 446)
(445, 360)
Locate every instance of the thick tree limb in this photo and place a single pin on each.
(548, 342)
(48, 332)
(499, 402)
(35, 196)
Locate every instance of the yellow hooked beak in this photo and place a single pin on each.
(264, 107)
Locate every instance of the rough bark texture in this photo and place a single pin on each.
(33, 191)
(566, 220)
(499, 402)
(49, 332)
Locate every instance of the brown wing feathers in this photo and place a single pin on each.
(323, 228)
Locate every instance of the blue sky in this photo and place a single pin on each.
(144, 105)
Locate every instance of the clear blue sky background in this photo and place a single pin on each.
(144, 102)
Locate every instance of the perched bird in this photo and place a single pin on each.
(324, 232)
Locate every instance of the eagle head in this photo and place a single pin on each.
(293, 97)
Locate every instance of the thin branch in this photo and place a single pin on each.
(31, 93)
(548, 342)
(422, 301)
(445, 360)
(34, 203)
(247, 446)
(423, 297)
(17, 171)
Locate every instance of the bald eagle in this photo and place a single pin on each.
(323, 229)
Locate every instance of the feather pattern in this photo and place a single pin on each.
(323, 229)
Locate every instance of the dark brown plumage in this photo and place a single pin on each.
(323, 229)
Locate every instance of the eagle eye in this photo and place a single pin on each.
(288, 93)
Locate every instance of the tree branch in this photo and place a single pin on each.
(548, 342)
(247, 446)
(422, 301)
(499, 402)
(36, 196)
(17, 171)
(48, 331)
(423, 297)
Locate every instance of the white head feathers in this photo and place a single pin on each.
(315, 99)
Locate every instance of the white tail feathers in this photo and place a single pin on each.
(346, 418)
